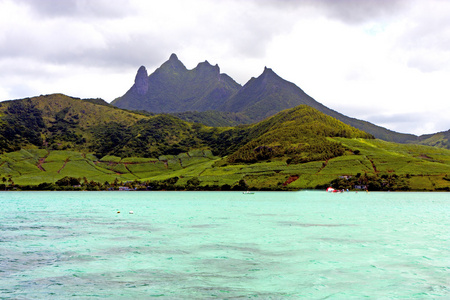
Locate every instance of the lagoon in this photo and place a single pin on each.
(224, 245)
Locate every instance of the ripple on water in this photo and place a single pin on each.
(187, 245)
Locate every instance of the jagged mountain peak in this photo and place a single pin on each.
(173, 57)
(269, 73)
(206, 66)
(141, 81)
(142, 69)
(173, 63)
(173, 88)
(267, 78)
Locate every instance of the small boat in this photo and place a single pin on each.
(248, 193)
(331, 190)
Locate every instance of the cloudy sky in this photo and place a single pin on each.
(385, 61)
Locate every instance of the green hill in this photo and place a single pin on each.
(58, 142)
(57, 121)
(440, 139)
(300, 133)
(214, 118)
(372, 164)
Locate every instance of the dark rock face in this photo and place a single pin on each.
(172, 88)
(172, 65)
(206, 68)
(141, 81)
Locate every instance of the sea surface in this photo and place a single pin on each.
(224, 245)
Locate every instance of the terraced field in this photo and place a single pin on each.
(420, 167)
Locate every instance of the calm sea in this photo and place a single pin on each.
(224, 245)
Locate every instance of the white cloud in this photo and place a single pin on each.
(84, 9)
(386, 61)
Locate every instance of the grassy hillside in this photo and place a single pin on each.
(214, 118)
(440, 139)
(299, 133)
(373, 163)
(56, 121)
(149, 137)
(83, 113)
(57, 141)
(59, 122)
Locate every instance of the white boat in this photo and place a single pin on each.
(248, 193)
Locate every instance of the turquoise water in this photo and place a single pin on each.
(224, 245)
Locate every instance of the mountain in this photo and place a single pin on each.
(174, 89)
(266, 95)
(269, 93)
(440, 139)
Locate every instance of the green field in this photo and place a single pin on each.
(417, 167)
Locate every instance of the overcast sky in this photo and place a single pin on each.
(384, 61)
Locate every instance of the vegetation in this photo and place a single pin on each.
(214, 118)
(21, 124)
(440, 139)
(300, 133)
(375, 167)
(60, 143)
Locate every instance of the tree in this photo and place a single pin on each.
(68, 181)
(241, 186)
(193, 183)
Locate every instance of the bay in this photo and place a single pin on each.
(224, 245)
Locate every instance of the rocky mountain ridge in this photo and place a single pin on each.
(172, 88)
